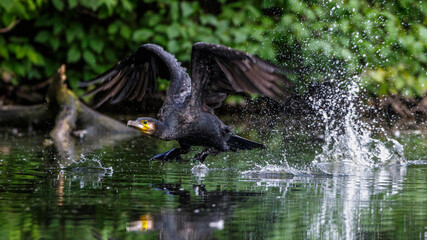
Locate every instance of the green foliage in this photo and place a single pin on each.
(90, 36)
(338, 39)
(319, 39)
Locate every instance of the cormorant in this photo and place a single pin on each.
(187, 112)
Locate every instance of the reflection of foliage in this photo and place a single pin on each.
(321, 39)
(392, 220)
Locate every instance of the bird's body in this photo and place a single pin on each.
(187, 114)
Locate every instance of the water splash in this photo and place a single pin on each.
(85, 164)
(87, 172)
(272, 171)
(349, 144)
(200, 170)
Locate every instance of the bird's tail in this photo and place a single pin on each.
(235, 143)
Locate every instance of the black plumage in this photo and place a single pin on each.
(187, 112)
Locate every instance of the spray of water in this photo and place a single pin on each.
(272, 171)
(350, 145)
(200, 170)
(88, 164)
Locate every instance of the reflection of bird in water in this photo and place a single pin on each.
(187, 112)
(196, 217)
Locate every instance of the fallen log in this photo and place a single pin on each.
(72, 120)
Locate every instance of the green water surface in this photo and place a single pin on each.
(115, 192)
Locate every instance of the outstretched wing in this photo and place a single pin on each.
(218, 70)
(136, 75)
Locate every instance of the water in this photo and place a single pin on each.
(349, 144)
(282, 192)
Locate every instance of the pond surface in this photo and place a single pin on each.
(282, 192)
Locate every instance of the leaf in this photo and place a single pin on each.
(142, 35)
(7, 5)
(422, 31)
(18, 68)
(19, 51)
(254, 11)
(111, 5)
(161, 28)
(89, 57)
(73, 54)
(4, 53)
(7, 19)
(72, 3)
(174, 11)
(34, 57)
(238, 18)
(75, 30)
(399, 82)
(186, 9)
(96, 44)
(173, 46)
(54, 42)
(421, 85)
(42, 37)
(127, 5)
(20, 10)
(153, 20)
(57, 27)
(208, 19)
(69, 36)
(239, 37)
(160, 39)
(378, 75)
(78, 30)
(125, 32)
(58, 4)
(113, 28)
(110, 55)
(172, 31)
(93, 5)
(84, 44)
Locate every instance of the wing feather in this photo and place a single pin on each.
(136, 75)
(245, 83)
(230, 77)
(144, 86)
(218, 70)
(140, 80)
(125, 89)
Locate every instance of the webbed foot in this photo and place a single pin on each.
(174, 153)
(203, 154)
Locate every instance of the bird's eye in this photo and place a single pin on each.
(145, 122)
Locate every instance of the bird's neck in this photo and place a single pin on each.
(162, 131)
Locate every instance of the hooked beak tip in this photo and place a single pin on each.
(133, 124)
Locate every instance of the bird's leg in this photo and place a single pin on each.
(203, 154)
(169, 155)
(174, 153)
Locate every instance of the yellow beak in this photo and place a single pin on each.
(145, 128)
(138, 125)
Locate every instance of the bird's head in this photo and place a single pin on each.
(146, 125)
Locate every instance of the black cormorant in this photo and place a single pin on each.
(187, 112)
